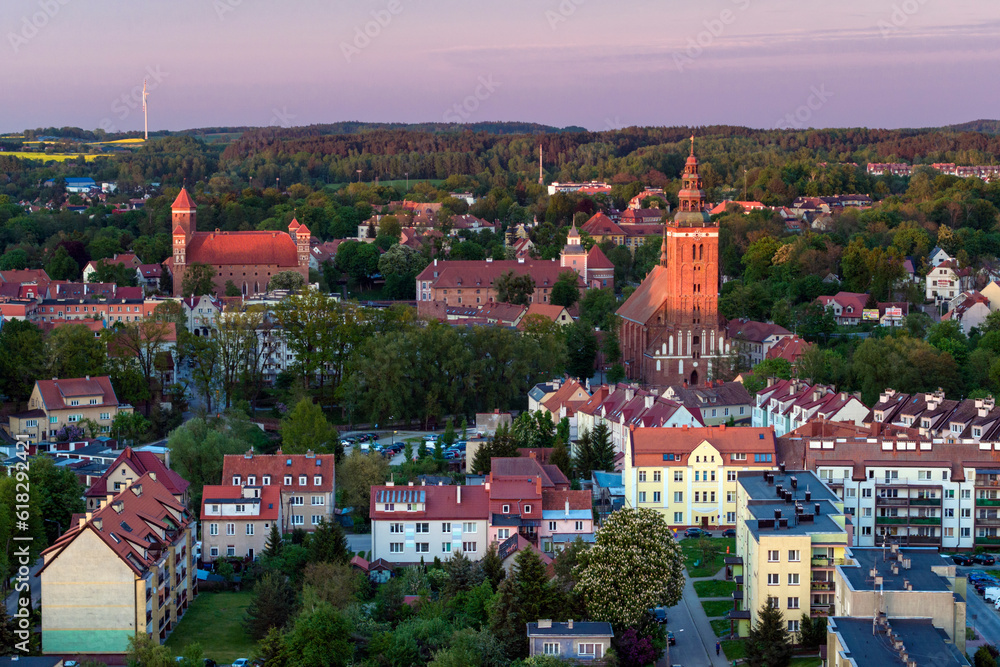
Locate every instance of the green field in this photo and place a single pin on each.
(714, 588)
(214, 621)
(49, 157)
(691, 553)
(715, 608)
(399, 184)
(720, 626)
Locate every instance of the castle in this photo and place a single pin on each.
(248, 259)
(669, 329)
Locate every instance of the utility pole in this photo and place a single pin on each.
(145, 116)
(541, 180)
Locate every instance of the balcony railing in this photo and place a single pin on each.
(922, 539)
(988, 540)
(890, 519)
(988, 502)
(881, 500)
(822, 561)
(926, 520)
(925, 501)
(822, 585)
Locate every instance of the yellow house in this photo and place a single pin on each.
(55, 404)
(791, 533)
(123, 570)
(689, 474)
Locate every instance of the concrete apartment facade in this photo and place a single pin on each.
(123, 570)
(690, 474)
(236, 520)
(790, 534)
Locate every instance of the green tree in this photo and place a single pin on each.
(336, 584)
(129, 427)
(566, 291)
(119, 273)
(328, 544)
(776, 368)
(144, 651)
(581, 350)
(232, 289)
(492, 567)
(768, 644)
(74, 352)
(59, 495)
(22, 358)
(514, 289)
(812, 631)
(560, 457)
(271, 607)
(305, 427)
(598, 308)
(634, 565)
(272, 549)
(286, 280)
(984, 657)
(62, 266)
(595, 450)
(199, 279)
(320, 637)
(356, 475)
(15, 259)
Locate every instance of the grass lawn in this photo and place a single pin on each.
(214, 620)
(733, 648)
(809, 661)
(714, 588)
(692, 553)
(720, 627)
(717, 607)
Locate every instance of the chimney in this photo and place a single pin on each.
(152, 476)
(569, 624)
(538, 485)
(544, 623)
(128, 482)
(781, 468)
(777, 514)
(108, 498)
(98, 523)
(649, 401)
(567, 507)
(458, 494)
(816, 507)
(808, 495)
(795, 482)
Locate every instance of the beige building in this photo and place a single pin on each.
(124, 570)
(236, 520)
(305, 481)
(129, 466)
(55, 404)
(899, 582)
(791, 532)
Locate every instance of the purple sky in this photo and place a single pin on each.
(595, 63)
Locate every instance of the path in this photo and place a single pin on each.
(696, 645)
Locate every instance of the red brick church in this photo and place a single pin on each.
(670, 332)
(249, 259)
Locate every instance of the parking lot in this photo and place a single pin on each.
(395, 442)
(979, 613)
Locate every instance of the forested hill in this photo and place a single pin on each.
(985, 126)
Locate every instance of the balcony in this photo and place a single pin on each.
(890, 519)
(819, 610)
(926, 501)
(988, 521)
(989, 540)
(823, 561)
(988, 502)
(925, 520)
(880, 500)
(921, 539)
(822, 585)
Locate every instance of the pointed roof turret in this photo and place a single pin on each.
(293, 225)
(183, 201)
(302, 230)
(179, 231)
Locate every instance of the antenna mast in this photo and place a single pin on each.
(541, 180)
(145, 116)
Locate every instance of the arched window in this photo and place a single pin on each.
(701, 249)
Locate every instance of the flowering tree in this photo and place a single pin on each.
(634, 565)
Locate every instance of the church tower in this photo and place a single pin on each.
(184, 221)
(670, 331)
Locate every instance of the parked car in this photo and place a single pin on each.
(431, 437)
(729, 532)
(241, 662)
(696, 532)
(984, 559)
(660, 614)
(670, 638)
(992, 593)
(972, 574)
(962, 559)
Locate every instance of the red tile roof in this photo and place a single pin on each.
(520, 468)
(183, 201)
(247, 248)
(601, 225)
(134, 525)
(55, 393)
(278, 465)
(441, 502)
(270, 502)
(596, 259)
(648, 298)
(648, 445)
(141, 463)
(476, 273)
(757, 332)
(25, 276)
(556, 500)
(789, 348)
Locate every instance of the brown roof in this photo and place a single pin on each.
(25, 276)
(56, 393)
(596, 259)
(141, 463)
(648, 298)
(270, 502)
(556, 500)
(482, 273)
(183, 200)
(648, 445)
(247, 248)
(601, 225)
(441, 502)
(757, 332)
(278, 465)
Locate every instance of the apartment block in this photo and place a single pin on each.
(690, 474)
(124, 569)
(858, 642)
(413, 524)
(897, 582)
(129, 466)
(791, 533)
(236, 520)
(786, 405)
(306, 483)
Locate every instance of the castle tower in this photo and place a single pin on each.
(573, 255)
(185, 212)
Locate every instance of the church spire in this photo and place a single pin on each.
(663, 247)
(692, 145)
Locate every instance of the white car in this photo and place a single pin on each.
(241, 662)
(431, 437)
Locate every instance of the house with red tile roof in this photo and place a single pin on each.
(128, 467)
(414, 524)
(636, 201)
(247, 259)
(502, 314)
(126, 259)
(148, 277)
(236, 520)
(786, 405)
(601, 228)
(847, 307)
(746, 206)
(566, 516)
(306, 484)
(641, 216)
(547, 311)
(947, 280)
(33, 276)
(754, 339)
(124, 567)
(55, 405)
(969, 309)
(789, 348)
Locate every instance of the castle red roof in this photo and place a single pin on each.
(602, 225)
(648, 298)
(247, 248)
(301, 230)
(183, 201)
(178, 231)
(294, 224)
(596, 259)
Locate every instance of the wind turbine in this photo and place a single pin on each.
(145, 116)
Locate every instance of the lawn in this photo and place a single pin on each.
(691, 552)
(713, 588)
(807, 661)
(733, 648)
(717, 607)
(214, 620)
(720, 627)
(47, 157)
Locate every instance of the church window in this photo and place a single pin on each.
(701, 249)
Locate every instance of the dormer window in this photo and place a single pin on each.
(251, 480)
(236, 480)
(505, 509)
(527, 509)
(318, 480)
(303, 480)
(288, 480)
(267, 480)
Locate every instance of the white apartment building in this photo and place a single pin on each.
(788, 404)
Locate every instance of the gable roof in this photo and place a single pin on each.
(601, 225)
(248, 248)
(648, 298)
(648, 446)
(56, 393)
(440, 502)
(482, 273)
(757, 332)
(141, 463)
(278, 465)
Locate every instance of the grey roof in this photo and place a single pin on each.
(923, 642)
(758, 489)
(579, 629)
(919, 575)
(28, 661)
(805, 524)
(506, 520)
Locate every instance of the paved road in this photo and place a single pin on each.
(987, 620)
(36, 590)
(695, 645)
(358, 543)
